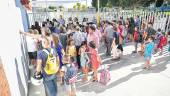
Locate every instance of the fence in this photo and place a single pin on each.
(161, 19)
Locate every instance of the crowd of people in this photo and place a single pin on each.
(57, 48)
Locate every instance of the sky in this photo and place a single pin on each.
(65, 3)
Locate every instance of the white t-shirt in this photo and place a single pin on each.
(31, 44)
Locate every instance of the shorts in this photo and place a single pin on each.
(32, 55)
(70, 87)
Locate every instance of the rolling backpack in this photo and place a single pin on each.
(52, 63)
(105, 76)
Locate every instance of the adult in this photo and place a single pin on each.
(32, 49)
(121, 32)
(108, 37)
(37, 26)
(78, 39)
(63, 37)
(49, 81)
(150, 31)
(92, 36)
(61, 20)
(115, 44)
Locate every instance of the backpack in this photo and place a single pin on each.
(136, 36)
(164, 40)
(105, 76)
(52, 63)
(117, 38)
(121, 31)
(151, 31)
(70, 75)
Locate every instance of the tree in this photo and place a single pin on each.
(103, 3)
(78, 6)
(122, 3)
(83, 7)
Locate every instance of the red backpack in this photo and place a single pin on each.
(136, 36)
(164, 41)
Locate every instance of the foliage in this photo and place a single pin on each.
(122, 3)
(79, 6)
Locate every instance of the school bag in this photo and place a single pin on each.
(116, 35)
(71, 74)
(164, 40)
(136, 36)
(52, 63)
(105, 76)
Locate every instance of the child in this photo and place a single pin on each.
(95, 60)
(84, 60)
(136, 39)
(71, 49)
(162, 43)
(148, 52)
(70, 75)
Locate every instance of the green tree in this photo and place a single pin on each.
(78, 6)
(83, 7)
(103, 3)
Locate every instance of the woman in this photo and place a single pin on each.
(92, 36)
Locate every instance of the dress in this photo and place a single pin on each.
(72, 51)
(148, 51)
(93, 57)
(84, 59)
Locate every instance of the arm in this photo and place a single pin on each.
(39, 63)
(31, 35)
(67, 50)
(88, 59)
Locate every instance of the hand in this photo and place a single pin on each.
(20, 32)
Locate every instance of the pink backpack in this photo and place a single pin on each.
(104, 76)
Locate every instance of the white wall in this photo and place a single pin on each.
(10, 47)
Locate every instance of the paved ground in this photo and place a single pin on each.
(127, 78)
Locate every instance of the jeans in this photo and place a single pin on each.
(108, 45)
(51, 87)
(136, 46)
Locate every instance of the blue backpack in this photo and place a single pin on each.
(71, 72)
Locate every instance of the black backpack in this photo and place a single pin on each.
(116, 35)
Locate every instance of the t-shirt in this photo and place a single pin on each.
(31, 44)
(78, 38)
(149, 49)
(150, 31)
(63, 39)
(41, 55)
(109, 32)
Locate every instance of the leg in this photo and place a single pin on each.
(73, 89)
(51, 87)
(95, 78)
(110, 45)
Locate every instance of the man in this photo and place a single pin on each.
(49, 81)
(150, 31)
(78, 39)
(108, 37)
(61, 20)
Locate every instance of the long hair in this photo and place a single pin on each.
(55, 39)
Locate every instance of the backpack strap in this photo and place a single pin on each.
(46, 51)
